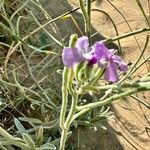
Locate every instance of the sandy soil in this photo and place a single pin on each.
(130, 128)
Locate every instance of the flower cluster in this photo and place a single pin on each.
(97, 54)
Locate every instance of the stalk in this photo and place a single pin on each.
(86, 12)
(65, 83)
(68, 121)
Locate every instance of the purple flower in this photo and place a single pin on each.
(77, 54)
(106, 59)
(98, 53)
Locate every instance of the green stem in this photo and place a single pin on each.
(48, 33)
(143, 12)
(89, 21)
(86, 15)
(68, 121)
(141, 101)
(137, 61)
(65, 83)
(141, 64)
(112, 98)
(72, 110)
(98, 74)
(79, 114)
(63, 139)
(19, 9)
(114, 25)
(126, 35)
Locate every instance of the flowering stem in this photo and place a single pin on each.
(67, 86)
(65, 83)
(72, 110)
(69, 120)
(76, 111)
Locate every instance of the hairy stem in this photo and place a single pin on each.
(68, 121)
(64, 96)
(113, 98)
(63, 139)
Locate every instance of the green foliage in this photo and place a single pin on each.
(28, 80)
(26, 142)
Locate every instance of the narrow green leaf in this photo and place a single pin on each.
(28, 140)
(19, 126)
(30, 120)
(98, 118)
(48, 146)
(41, 50)
(39, 137)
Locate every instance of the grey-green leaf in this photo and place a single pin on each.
(28, 140)
(48, 146)
(30, 120)
(19, 126)
(39, 138)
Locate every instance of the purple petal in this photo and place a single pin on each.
(100, 50)
(71, 56)
(102, 54)
(122, 65)
(82, 45)
(111, 73)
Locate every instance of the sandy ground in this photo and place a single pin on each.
(130, 128)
